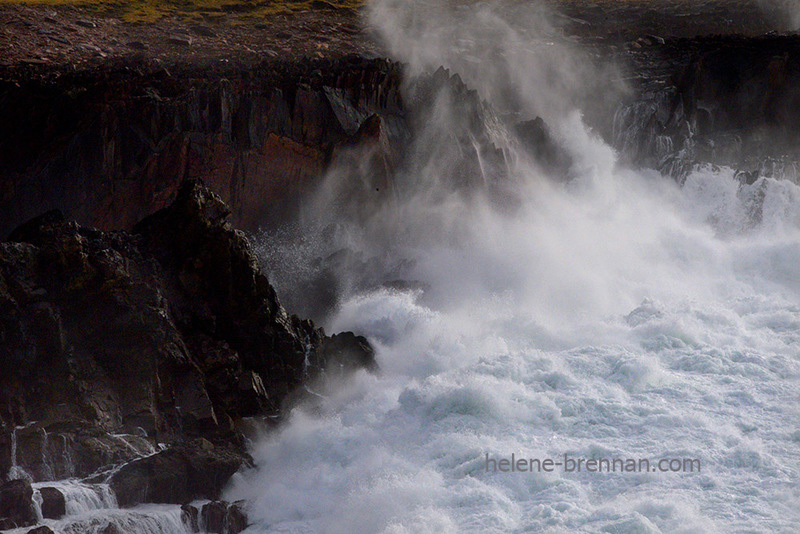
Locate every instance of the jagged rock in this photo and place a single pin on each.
(344, 353)
(213, 515)
(260, 138)
(16, 504)
(716, 99)
(54, 505)
(44, 529)
(116, 341)
(220, 517)
(538, 141)
(66, 450)
(237, 519)
(190, 517)
(177, 475)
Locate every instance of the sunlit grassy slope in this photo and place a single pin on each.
(150, 10)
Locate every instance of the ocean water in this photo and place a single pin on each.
(612, 315)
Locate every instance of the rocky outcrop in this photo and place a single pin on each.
(178, 475)
(216, 517)
(724, 100)
(54, 505)
(112, 145)
(113, 342)
(220, 517)
(16, 505)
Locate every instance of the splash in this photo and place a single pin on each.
(610, 314)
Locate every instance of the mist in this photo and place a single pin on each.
(785, 13)
(596, 311)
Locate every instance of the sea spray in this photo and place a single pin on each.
(610, 315)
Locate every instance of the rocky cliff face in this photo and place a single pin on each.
(720, 100)
(111, 145)
(114, 342)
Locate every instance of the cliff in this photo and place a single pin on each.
(723, 100)
(111, 144)
(116, 342)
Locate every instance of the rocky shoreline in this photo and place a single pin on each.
(134, 359)
(140, 339)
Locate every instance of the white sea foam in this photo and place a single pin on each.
(615, 316)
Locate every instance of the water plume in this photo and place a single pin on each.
(600, 312)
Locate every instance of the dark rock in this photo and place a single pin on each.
(170, 333)
(237, 519)
(214, 515)
(220, 517)
(86, 23)
(190, 517)
(260, 138)
(54, 505)
(345, 353)
(44, 529)
(203, 31)
(539, 143)
(716, 100)
(29, 230)
(177, 475)
(67, 450)
(111, 528)
(16, 504)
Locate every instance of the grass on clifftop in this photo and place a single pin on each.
(152, 10)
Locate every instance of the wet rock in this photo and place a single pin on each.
(345, 353)
(114, 342)
(177, 475)
(190, 517)
(237, 519)
(220, 517)
(44, 529)
(261, 138)
(54, 505)
(716, 100)
(214, 514)
(16, 504)
(539, 143)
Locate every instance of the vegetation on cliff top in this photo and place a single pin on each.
(151, 10)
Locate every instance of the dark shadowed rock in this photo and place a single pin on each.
(44, 529)
(220, 517)
(538, 141)
(237, 519)
(54, 505)
(346, 352)
(190, 517)
(178, 475)
(214, 514)
(114, 342)
(16, 504)
(260, 137)
(722, 99)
